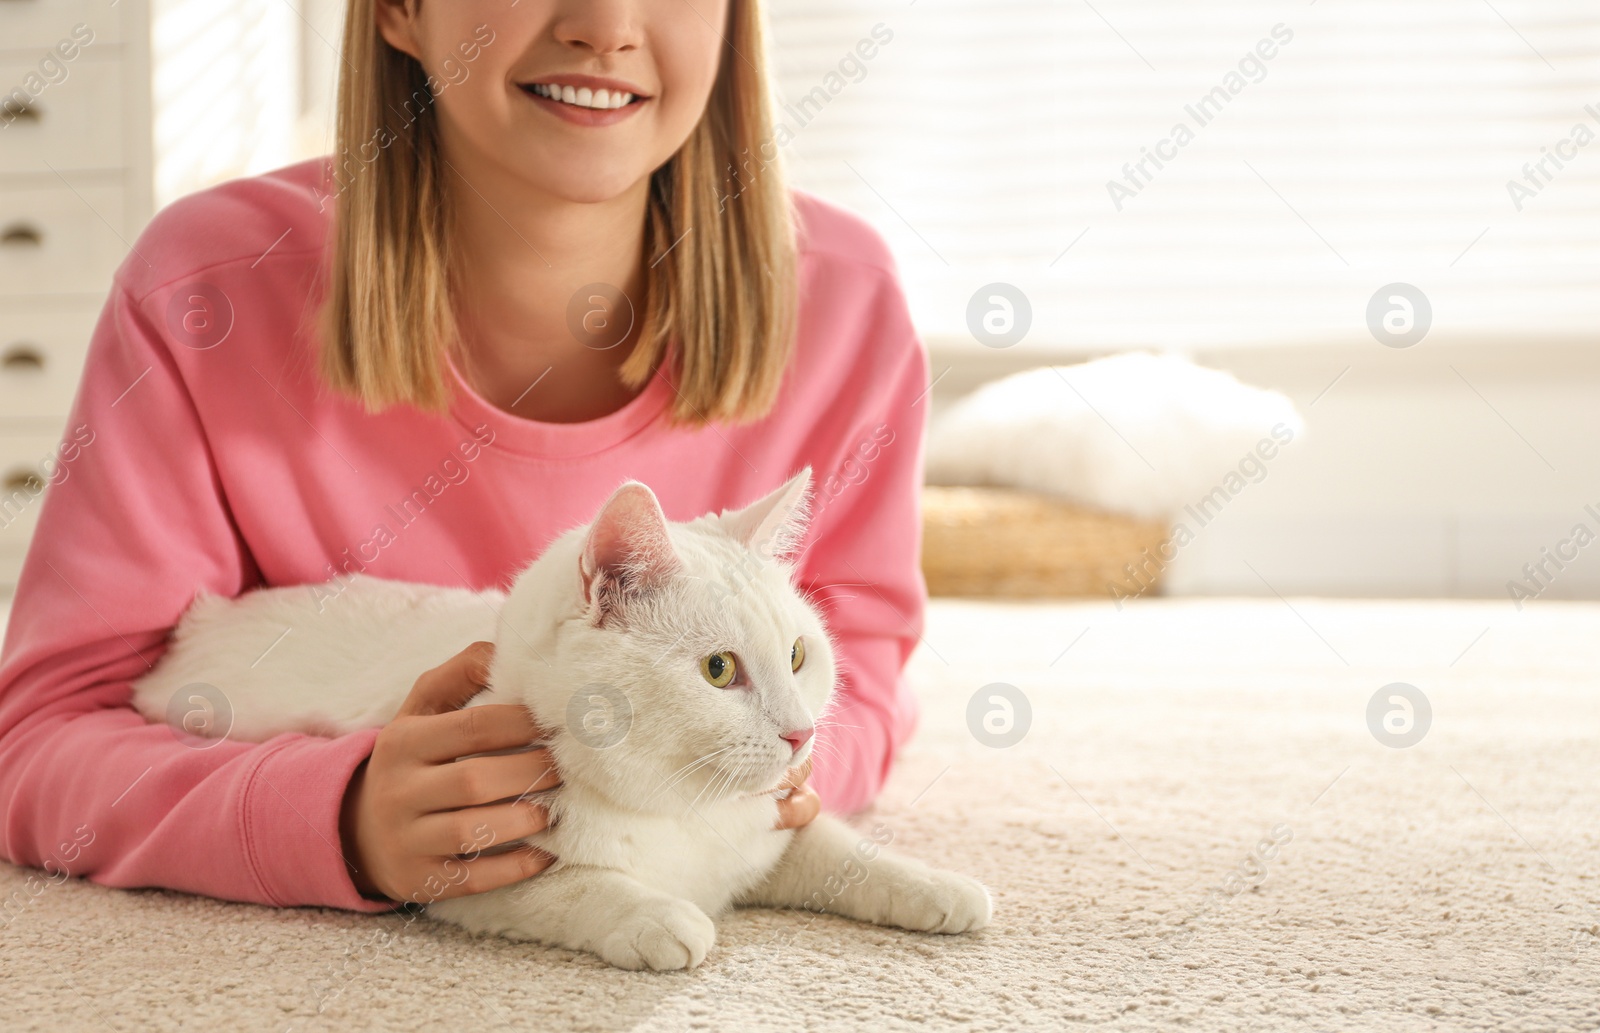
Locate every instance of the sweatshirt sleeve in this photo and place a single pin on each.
(133, 524)
(863, 566)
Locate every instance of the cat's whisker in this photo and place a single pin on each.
(669, 786)
(711, 786)
(697, 762)
(823, 741)
(831, 711)
(676, 778)
(728, 784)
(715, 777)
(832, 751)
(827, 748)
(719, 787)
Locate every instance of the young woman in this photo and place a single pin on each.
(553, 250)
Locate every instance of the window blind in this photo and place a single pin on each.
(1167, 173)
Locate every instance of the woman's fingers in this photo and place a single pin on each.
(496, 870)
(416, 819)
(475, 829)
(437, 738)
(450, 685)
(801, 804)
(483, 780)
(435, 725)
(799, 807)
(453, 877)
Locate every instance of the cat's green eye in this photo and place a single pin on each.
(718, 669)
(797, 654)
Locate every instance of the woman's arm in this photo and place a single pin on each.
(863, 566)
(134, 524)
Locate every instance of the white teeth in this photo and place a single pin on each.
(584, 97)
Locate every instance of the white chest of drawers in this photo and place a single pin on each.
(75, 190)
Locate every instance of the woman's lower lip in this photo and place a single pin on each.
(586, 116)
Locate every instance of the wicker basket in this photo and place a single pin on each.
(1001, 542)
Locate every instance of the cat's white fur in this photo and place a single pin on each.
(665, 816)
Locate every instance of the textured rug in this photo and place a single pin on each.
(1221, 815)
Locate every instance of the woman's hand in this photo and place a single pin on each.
(802, 803)
(416, 820)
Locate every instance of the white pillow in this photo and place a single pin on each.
(1141, 434)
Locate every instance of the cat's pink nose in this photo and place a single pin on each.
(798, 739)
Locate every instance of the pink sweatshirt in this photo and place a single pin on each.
(203, 453)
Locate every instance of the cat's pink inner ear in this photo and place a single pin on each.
(628, 548)
(775, 524)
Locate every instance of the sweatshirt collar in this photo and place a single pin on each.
(542, 440)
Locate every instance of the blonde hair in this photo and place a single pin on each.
(725, 295)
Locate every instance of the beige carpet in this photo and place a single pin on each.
(1450, 885)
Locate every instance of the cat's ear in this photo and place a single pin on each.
(628, 550)
(774, 525)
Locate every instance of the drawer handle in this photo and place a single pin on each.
(19, 111)
(22, 358)
(24, 479)
(20, 234)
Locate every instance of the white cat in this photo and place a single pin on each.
(680, 675)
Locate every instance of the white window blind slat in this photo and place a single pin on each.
(1375, 147)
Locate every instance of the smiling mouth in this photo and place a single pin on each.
(583, 96)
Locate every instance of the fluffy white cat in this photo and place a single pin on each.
(680, 674)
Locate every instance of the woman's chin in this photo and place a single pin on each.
(575, 188)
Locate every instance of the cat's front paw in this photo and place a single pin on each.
(940, 902)
(662, 934)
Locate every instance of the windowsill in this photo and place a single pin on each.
(1300, 369)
